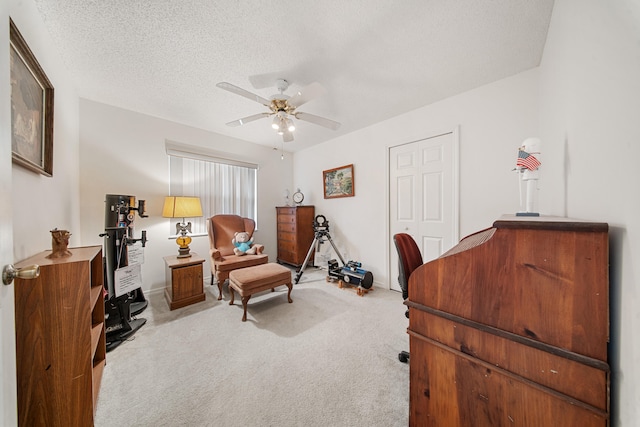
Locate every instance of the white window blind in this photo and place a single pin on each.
(224, 187)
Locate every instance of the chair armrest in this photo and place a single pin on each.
(215, 254)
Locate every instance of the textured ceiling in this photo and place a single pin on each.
(376, 58)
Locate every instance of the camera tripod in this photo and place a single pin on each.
(321, 230)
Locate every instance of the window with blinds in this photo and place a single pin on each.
(224, 186)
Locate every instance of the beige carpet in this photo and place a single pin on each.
(327, 359)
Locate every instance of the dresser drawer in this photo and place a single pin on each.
(286, 211)
(286, 227)
(286, 245)
(286, 256)
(286, 219)
(284, 236)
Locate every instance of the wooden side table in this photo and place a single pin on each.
(184, 280)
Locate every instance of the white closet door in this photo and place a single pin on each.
(423, 196)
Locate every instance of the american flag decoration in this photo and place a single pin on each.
(527, 160)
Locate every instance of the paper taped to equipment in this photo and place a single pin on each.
(128, 279)
(135, 254)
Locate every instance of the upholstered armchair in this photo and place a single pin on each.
(222, 229)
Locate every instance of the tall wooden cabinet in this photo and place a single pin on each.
(295, 233)
(60, 339)
(510, 327)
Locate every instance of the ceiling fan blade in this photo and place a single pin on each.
(239, 91)
(245, 120)
(311, 118)
(306, 94)
(287, 136)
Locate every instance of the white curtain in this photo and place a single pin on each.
(222, 188)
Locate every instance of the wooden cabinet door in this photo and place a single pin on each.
(187, 281)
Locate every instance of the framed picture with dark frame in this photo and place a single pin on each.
(338, 182)
(31, 108)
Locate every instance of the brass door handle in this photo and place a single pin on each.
(9, 272)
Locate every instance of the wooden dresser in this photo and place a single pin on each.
(510, 327)
(60, 339)
(295, 233)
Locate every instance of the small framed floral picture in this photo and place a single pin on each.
(338, 182)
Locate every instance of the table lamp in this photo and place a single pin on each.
(182, 207)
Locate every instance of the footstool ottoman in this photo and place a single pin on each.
(250, 280)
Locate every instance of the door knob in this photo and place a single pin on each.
(9, 272)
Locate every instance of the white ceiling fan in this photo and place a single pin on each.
(283, 108)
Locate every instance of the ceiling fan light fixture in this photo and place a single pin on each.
(283, 108)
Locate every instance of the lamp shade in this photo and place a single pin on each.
(181, 207)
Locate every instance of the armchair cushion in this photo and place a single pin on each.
(234, 262)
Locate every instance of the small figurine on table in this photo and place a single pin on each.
(527, 167)
(59, 243)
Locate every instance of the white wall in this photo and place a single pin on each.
(123, 152)
(40, 203)
(589, 109)
(493, 121)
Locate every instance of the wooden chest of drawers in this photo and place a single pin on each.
(295, 233)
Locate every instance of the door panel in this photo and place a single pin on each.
(432, 197)
(405, 189)
(431, 247)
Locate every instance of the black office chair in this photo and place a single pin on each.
(409, 258)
